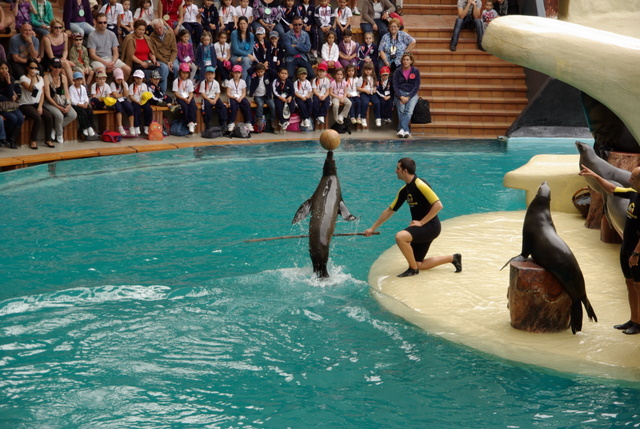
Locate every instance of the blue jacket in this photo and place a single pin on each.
(200, 56)
(406, 87)
(302, 45)
(267, 83)
(242, 49)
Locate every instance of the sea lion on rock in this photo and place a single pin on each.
(547, 249)
(324, 205)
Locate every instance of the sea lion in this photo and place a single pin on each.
(547, 249)
(324, 205)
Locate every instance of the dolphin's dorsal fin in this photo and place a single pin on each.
(302, 212)
(344, 212)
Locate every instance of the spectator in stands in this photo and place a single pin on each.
(56, 45)
(81, 104)
(331, 52)
(223, 56)
(245, 10)
(57, 101)
(261, 89)
(368, 88)
(210, 92)
(321, 86)
(5, 22)
(210, 17)
(142, 113)
(287, 13)
(237, 93)
(145, 13)
(348, 49)
(352, 93)
(126, 23)
(22, 47)
(304, 97)
(367, 52)
(138, 52)
(307, 11)
(406, 83)
(22, 12)
(31, 103)
(394, 44)
(165, 48)
(385, 93)
(114, 13)
(338, 91)
(488, 14)
(41, 16)
(189, 14)
(276, 55)
(265, 14)
(206, 53)
(342, 22)
(120, 91)
(169, 11)
(297, 45)
(103, 48)
(79, 56)
(228, 17)
(375, 14)
(183, 90)
(78, 17)
(324, 22)
(283, 95)
(13, 119)
(242, 41)
(186, 55)
(469, 14)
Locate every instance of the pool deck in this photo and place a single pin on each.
(24, 156)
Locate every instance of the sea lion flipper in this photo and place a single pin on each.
(576, 316)
(518, 258)
(302, 212)
(344, 212)
(590, 312)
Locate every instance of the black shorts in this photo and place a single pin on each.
(421, 238)
(627, 271)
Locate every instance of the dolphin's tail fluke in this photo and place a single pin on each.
(576, 316)
(518, 258)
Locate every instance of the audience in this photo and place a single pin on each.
(375, 14)
(406, 83)
(394, 44)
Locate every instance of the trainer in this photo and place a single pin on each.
(414, 241)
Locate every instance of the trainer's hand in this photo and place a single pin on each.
(368, 232)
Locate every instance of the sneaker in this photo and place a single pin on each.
(174, 107)
(387, 120)
(353, 120)
(248, 125)
(410, 272)
(91, 132)
(457, 262)
(53, 135)
(86, 132)
(400, 133)
(358, 120)
(59, 138)
(284, 125)
(192, 127)
(321, 119)
(122, 131)
(146, 130)
(340, 120)
(134, 131)
(356, 11)
(231, 127)
(364, 123)
(407, 135)
(378, 122)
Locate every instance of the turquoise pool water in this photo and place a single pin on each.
(129, 298)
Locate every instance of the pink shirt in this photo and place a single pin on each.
(339, 89)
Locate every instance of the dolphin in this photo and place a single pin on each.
(547, 249)
(324, 205)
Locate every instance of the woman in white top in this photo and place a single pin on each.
(56, 99)
(31, 104)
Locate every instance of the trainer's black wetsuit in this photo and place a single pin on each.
(420, 198)
(631, 233)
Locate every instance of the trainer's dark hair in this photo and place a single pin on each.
(408, 164)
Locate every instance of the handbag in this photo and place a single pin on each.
(8, 106)
(60, 100)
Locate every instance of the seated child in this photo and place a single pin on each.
(488, 14)
(342, 17)
(206, 53)
(338, 92)
(120, 92)
(283, 95)
(145, 13)
(159, 97)
(228, 16)
(275, 55)
(183, 91)
(79, 56)
(245, 10)
(367, 53)
(100, 90)
(140, 105)
(80, 103)
(210, 91)
(304, 97)
(114, 12)
(367, 87)
(185, 54)
(210, 17)
(188, 18)
(331, 52)
(261, 89)
(126, 23)
(352, 93)
(321, 100)
(385, 93)
(348, 50)
(237, 93)
(223, 56)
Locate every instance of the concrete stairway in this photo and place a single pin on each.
(473, 94)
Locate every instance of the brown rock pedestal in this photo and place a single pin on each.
(537, 301)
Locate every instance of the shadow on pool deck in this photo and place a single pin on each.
(24, 156)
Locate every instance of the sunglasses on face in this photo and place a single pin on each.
(297, 25)
(33, 68)
(57, 28)
(102, 22)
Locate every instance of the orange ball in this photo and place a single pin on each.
(330, 139)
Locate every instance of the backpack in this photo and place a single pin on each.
(111, 137)
(241, 132)
(155, 131)
(342, 128)
(294, 123)
(212, 133)
(179, 128)
(421, 113)
(166, 127)
(259, 125)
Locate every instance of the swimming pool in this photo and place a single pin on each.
(130, 299)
